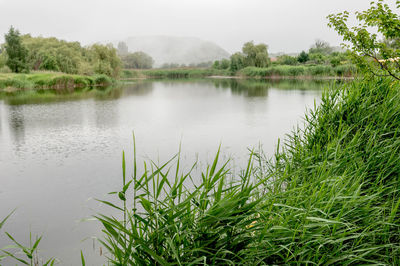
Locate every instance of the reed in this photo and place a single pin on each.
(51, 80)
(330, 195)
(299, 71)
(177, 73)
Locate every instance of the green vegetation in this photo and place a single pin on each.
(24, 53)
(321, 60)
(136, 60)
(284, 71)
(252, 55)
(299, 71)
(377, 56)
(52, 95)
(16, 52)
(51, 80)
(30, 252)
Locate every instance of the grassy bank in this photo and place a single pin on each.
(284, 71)
(299, 71)
(173, 73)
(330, 195)
(51, 80)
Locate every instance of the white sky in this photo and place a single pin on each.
(285, 25)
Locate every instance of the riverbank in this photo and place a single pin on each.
(51, 80)
(68, 82)
(273, 72)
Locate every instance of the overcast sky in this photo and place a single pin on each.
(285, 25)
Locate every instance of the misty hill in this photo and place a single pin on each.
(181, 50)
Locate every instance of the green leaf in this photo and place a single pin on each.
(110, 204)
(5, 219)
(82, 259)
(14, 257)
(146, 204)
(125, 188)
(121, 196)
(36, 243)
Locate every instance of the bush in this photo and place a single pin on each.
(320, 70)
(102, 80)
(345, 70)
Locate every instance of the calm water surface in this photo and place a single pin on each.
(59, 153)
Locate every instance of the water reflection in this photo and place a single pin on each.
(17, 124)
(260, 87)
(106, 114)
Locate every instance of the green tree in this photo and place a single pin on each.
(237, 61)
(225, 64)
(255, 55)
(375, 51)
(317, 58)
(16, 51)
(104, 59)
(287, 60)
(216, 64)
(138, 60)
(3, 58)
(320, 47)
(303, 57)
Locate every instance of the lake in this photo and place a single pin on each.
(60, 152)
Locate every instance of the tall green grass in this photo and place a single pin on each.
(330, 195)
(165, 221)
(52, 80)
(298, 71)
(27, 255)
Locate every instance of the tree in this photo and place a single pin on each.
(237, 62)
(216, 64)
(317, 58)
(16, 52)
(287, 60)
(377, 51)
(320, 47)
(138, 60)
(104, 59)
(303, 57)
(255, 55)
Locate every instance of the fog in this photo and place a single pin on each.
(285, 25)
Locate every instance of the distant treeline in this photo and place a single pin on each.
(320, 59)
(22, 53)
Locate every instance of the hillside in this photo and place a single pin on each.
(182, 50)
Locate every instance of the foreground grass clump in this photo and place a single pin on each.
(167, 223)
(52, 80)
(334, 191)
(331, 195)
